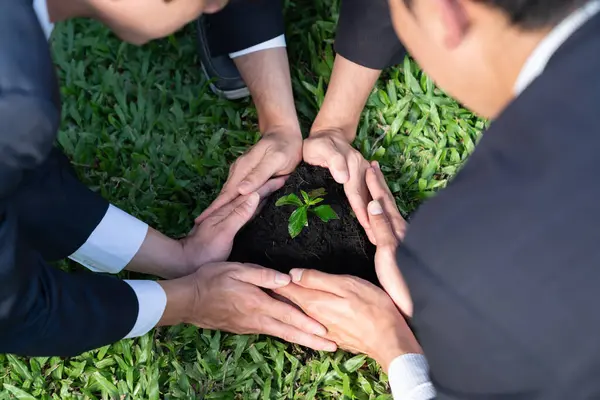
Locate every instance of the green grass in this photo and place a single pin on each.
(143, 129)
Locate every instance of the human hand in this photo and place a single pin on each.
(330, 149)
(359, 316)
(212, 239)
(388, 229)
(275, 154)
(228, 296)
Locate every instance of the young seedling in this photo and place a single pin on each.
(299, 218)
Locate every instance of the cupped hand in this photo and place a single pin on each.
(329, 149)
(388, 229)
(359, 316)
(230, 297)
(275, 154)
(212, 239)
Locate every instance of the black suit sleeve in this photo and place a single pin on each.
(51, 199)
(366, 36)
(47, 312)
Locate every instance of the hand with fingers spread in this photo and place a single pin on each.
(330, 149)
(230, 297)
(388, 229)
(359, 316)
(276, 154)
(212, 239)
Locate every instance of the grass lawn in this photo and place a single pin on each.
(143, 129)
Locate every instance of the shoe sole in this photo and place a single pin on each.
(230, 94)
(235, 94)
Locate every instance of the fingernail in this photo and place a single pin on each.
(331, 347)
(244, 187)
(375, 208)
(253, 200)
(296, 275)
(281, 279)
(341, 177)
(320, 331)
(376, 165)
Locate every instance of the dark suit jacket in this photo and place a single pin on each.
(45, 212)
(504, 265)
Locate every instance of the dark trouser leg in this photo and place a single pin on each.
(244, 24)
(240, 25)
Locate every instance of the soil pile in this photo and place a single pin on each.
(336, 247)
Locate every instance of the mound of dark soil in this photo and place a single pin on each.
(337, 247)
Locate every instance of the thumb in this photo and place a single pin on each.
(326, 154)
(381, 226)
(386, 266)
(260, 276)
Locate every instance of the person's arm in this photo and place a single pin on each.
(348, 91)
(365, 44)
(266, 72)
(45, 311)
(61, 217)
(330, 142)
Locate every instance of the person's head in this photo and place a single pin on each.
(136, 21)
(474, 49)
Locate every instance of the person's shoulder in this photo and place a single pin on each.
(25, 61)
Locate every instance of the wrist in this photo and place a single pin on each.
(160, 256)
(386, 358)
(333, 132)
(397, 344)
(341, 133)
(181, 294)
(284, 130)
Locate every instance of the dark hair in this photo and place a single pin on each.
(533, 14)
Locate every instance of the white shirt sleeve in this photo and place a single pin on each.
(409, 378)
(41, 9)
(279, 41)
(113, 244)
(152, 301)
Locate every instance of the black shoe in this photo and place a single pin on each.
(225, 79)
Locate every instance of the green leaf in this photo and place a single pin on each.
(18, 393)
(289, 200)
(19, 367)
(298, 220)
(354, 363)
(105, 384)
(320, 192)
(305, 196)
(316, 201)
(326, 213)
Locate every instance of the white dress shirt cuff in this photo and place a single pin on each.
(279, 41)
(113, 244)
(409, 378)
(152, 301)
